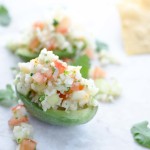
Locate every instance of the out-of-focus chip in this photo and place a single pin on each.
(135, 18)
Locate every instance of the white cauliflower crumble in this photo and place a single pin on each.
(59, 32)
(106, 58)
(22, 131)
(55, 84)
(109, 90)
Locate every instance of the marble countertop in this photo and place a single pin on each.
(110, 128)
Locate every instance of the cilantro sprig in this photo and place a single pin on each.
(100, 46)
(83, 61)
(141, 134)
(8, 96)
(55, 23)
(4, 16)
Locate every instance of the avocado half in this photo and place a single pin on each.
(59, 117)
(64, 53)
(25, 54)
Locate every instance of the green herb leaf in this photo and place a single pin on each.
(41, 97)
(141, 134)
(8, 93)
(101, 46)
(65, 53)
(4, 16)
(83, 61)
(66, 72)
(31, 74)
(55, 23)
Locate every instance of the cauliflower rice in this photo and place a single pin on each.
(51, 83)
(59, 34)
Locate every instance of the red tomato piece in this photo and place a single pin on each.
(28, 144)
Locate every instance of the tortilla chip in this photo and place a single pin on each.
(135, 18)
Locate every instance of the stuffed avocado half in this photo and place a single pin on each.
(59, 117)
(55, 92)
(58, 34)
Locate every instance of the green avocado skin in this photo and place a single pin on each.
(59, 117)
(25, 54)
(64, 54)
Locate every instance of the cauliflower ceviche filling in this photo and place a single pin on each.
(51, 83)
(58, 34)
(22, 130)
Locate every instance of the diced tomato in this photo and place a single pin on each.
(63, 25)
(17, 107)
(39, 78)
(98, 73)
(13, 122)
(77, 87)
(61, 68)
(63, 96)
(28, 144)
(39, 25)
(62, 30)
(34, 43)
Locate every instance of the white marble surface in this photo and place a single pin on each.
(110, 129)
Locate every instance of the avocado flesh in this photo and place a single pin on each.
(59, 117)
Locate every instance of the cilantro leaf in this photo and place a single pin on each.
(8, 93)
(4, 16)
(41, 97)
(141, 134)
(100, 46)
(83, 61)
(55, 23)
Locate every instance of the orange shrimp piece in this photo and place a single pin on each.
(34, 43)
(98, 73)
(39, 78)
(61, 68)
(48, 74)
(39, 25)
(89, 53)
(14, 122)
(77, 87)
(17, 107)
(28, 144)
(63, 25)
(51, 47)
